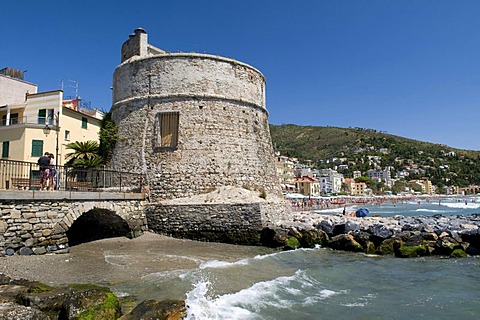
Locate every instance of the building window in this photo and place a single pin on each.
(50, 116)
(167, 129)
(5, 149)
(37, 148)
(14, 118)
(46, 116)
(42, 116)
(84, 123)
(67, 135)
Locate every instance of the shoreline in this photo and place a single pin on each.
(323, 203)
(39, 267)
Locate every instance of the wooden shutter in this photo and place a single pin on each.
(168, 129)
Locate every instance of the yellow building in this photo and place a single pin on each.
(35, 123)
(285, 172)
(307, 186)
(360, 189)
(355, 188)
(424, 184)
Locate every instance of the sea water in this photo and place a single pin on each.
(321, 283)
(426, 207)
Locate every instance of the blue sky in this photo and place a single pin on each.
(408, 67)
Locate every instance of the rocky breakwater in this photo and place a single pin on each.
(453, 236)
(24, 299)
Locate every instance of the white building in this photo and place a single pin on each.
(330, 181)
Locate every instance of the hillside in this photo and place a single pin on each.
(356, 146)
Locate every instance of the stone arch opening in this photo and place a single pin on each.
(97, 224)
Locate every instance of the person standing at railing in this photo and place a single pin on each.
(52, 175)
(44, 164)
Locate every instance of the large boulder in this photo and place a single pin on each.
(458, 253)
(326, 226)
(370, 247)
(158, 310)
(91, 302)
(405, 251)
(291, 243)
(362, 237)
(446, 245)
(387, 247)
(378, 233)
(313, 237)
(48, 301)
(10, 292)
(273, 238)
(351, 226)
(339, 229)
(13, 311)
(345, 242)
(80, 301)
(472, 236)
(295, 232)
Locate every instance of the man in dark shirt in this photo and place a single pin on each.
(44, 163)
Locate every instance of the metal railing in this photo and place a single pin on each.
(27, 121)
(16, 175)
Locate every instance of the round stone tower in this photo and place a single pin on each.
(191, 122)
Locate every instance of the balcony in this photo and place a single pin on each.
(27, 121)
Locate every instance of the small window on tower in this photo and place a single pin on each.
(166, 130)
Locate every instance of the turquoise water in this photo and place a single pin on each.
(444, 206)
(323, 284)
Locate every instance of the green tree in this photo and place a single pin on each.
(399, 186)
(84, 155)
(108, 137)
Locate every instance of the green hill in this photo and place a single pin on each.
(442, 164)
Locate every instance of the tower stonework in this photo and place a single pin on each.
(193, 123)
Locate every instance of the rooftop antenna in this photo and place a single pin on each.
(71, 84)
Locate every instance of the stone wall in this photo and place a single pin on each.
(136, 45)
(40, 226)
(227, 223)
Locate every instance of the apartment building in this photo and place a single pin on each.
(355, 188)
(33, 122)
(285, 172)
(307, 186)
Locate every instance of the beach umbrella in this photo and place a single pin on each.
(362, 212)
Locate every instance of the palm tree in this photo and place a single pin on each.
(84, 155)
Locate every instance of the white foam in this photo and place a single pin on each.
(153, 277)
(176, 257)
(118, 260)
(429, 210)
(225, 264)
(461, 205)
(200, 306)
(247, 303)
(120, 294)
(222, 264)
(355, 304)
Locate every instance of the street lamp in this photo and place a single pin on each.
(47, 129)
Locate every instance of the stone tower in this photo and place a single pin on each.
(192, 122)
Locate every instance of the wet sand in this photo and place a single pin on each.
(115, 260)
